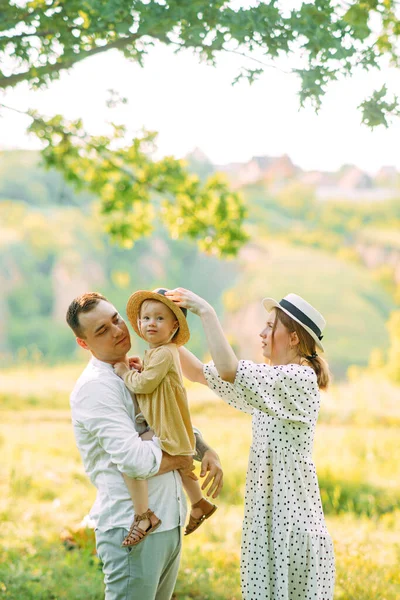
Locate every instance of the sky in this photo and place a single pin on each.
(193, 105)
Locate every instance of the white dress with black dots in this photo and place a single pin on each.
(287, 552)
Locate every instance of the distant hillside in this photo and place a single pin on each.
(348, 183)
(52, 247)
(50, 254)
(23, 178)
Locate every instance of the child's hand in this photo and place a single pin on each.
(120, 368)
(135, 363)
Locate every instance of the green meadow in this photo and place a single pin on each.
(47, 552)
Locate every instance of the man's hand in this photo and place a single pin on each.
(189, 473)
(179, 463)
(211, 464)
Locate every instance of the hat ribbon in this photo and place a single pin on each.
(296, 312)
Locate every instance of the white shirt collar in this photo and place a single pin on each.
(101, 364)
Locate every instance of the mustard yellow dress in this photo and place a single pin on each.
(162, 399)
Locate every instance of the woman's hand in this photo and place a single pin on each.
(189, 300)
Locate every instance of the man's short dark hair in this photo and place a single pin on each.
(82, 304)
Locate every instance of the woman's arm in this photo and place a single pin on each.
(192, 367)
(222, 354)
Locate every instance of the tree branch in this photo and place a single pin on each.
(21, 112)
(231, 51)
(20, 36)
(13, 80)
(260, 62)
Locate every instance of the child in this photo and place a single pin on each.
(162, 400)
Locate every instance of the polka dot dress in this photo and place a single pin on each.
(287, 552)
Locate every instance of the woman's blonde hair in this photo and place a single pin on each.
(307, 348)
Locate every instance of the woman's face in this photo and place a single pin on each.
(279, 351)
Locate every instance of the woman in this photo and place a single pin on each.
(287, 552)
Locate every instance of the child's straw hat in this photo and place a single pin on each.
(136, 301)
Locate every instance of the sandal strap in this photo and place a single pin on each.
(206, 506)
(143, 516)
(136, 534)
(195, 522)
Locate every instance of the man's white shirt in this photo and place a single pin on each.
(105, 432)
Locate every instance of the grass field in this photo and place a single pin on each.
(44, 493)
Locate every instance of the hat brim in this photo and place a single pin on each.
(133, 309)
(270, 303)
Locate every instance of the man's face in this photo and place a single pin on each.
(104, 333)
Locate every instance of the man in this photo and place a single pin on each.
(103, 418)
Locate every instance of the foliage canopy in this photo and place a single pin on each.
(325, 40)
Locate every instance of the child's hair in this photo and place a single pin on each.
(152, 300)
(307, 347)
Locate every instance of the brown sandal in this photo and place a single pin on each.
(208, 509)
(137, 535)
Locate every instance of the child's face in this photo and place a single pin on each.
(157, 323)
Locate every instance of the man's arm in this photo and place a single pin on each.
(172, 463)
(101, 411)
(210, 463)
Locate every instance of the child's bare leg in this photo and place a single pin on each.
(201, 508)
(192, 488)
(195, 494)
(138, 491)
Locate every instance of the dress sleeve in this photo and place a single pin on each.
(225, 390)
(288, 392)
(157, 366)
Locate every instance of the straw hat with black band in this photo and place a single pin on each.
(136, 301)
(301, 311)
